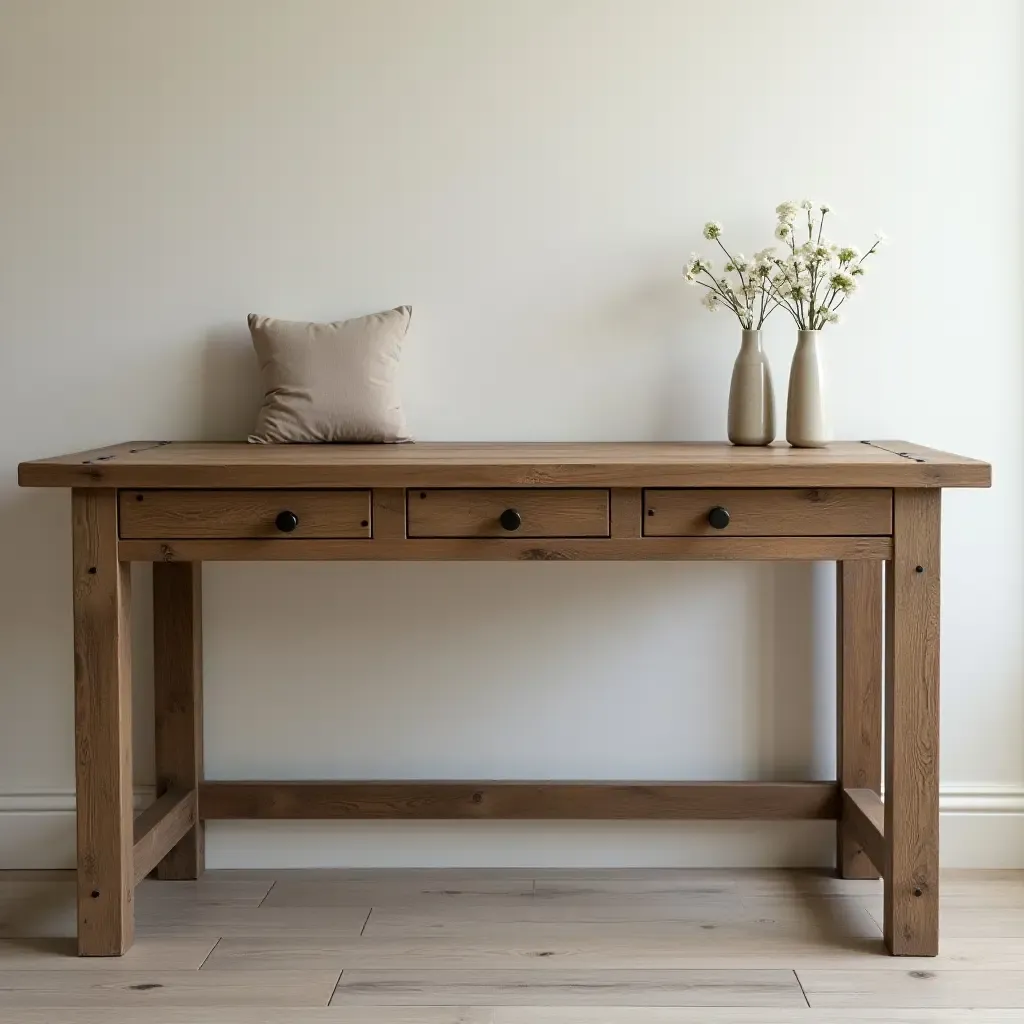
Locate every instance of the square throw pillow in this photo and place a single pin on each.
(332, 382)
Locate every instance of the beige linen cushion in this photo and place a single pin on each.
(332, 382)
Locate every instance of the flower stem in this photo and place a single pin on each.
(743, 283)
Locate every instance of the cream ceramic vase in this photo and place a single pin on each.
(806, 426)
(751, 396)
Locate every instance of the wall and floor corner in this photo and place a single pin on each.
(530, 176)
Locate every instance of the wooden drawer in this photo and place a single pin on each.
(767, 513)
(177, 515)
(538, 512)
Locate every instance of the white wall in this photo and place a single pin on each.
(530, 175)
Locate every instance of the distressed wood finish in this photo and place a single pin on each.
(475, 513)
(858, 699)
(704, 801)
(683, 512)
(243, 514)
(516, 549)
(103, 733)
(388, 515)
(178, 700)
(159, 828)
(490, 987)
(911, 869)
(617, 464)
(627, 513)
(864, 818)
(857, 503)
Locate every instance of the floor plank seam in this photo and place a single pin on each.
(208, 955)
(803, 991)
(266, 895)
(366, 922)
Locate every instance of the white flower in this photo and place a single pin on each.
(848, 253)
(842, 283)
(783, 231)
(711, 302)
(712, 230)
(828, 316)
(697, 266)
(786, 211)
(806, 204)
(881, 237)
(763, 255)
(857, 270)
(825, 208)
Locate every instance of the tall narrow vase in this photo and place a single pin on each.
(751, 397)
(806, 426)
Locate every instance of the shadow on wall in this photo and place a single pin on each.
(230, 384)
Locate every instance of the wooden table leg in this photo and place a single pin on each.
(858, 698)
(103, 733)
(911, 913)
(178, 688)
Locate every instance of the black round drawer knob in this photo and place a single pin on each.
(286, 521)
(718, 518)
(510, 520)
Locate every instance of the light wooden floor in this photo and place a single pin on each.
(511, 947)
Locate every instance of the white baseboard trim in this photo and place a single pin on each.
(982, 827)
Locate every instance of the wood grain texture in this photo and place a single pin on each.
(182, 953)
(767, 512)
(706, 801)
(75, 989)
(569, 987)
(178, 701)
(914, 989)
(911, 917)
(858, 699)
(838, 939)
(160, 827)
(627, 513)
(168, 919)
(388, 521)
(681, 549)
(221, 889)
(864, 818)
(720, 1015)
(696, 921)
(475, 512)
(103, 734)
(613, 464)
(399, 892)
(680, 919)
(512, 1015)
(153, 514)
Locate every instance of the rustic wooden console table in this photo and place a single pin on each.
(860, 504)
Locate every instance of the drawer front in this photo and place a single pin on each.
(508, 512)
(274, 515)
(767, 513)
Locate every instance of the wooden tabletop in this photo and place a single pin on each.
(176, 464)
